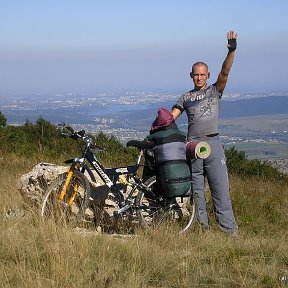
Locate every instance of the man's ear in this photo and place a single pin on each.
(208, 75)
(191, 74)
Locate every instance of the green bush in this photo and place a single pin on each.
(238, 164)
(3, 120)
(44, 140)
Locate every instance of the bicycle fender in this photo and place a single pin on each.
(69, 161)
(73, 160)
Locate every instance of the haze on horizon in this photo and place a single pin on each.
(89, 46)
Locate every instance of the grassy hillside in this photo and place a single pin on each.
(33, 254)
(36, 254)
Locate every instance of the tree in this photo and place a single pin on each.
(3, 120)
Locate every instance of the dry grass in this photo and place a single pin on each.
(36, 254)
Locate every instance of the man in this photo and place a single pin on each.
(202, 105)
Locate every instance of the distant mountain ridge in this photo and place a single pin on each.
(254, 107)
(229, 109)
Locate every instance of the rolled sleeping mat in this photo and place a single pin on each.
(198, 150)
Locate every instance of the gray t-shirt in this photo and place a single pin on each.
(202, 108)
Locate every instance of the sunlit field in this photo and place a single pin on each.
(36, 254)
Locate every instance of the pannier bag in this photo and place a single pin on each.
(172, 170)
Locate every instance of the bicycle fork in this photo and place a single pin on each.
(65, 187)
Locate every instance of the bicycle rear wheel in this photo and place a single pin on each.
(71, 209)
(153, 210)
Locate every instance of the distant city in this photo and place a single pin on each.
(245, 117)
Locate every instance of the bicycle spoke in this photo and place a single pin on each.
(73, 203)
(155, 211)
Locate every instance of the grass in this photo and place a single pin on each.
(36, 254)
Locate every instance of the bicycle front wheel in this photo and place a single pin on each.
(70, 206)
(153, 210)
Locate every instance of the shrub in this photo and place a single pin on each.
(44, 140)
(238, 164)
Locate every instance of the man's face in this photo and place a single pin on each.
(199, 76)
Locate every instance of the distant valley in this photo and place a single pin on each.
(261, 122)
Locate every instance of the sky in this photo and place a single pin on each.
(89, 46)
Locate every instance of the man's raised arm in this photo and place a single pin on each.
(227, 64)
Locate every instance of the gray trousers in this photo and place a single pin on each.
(215, 169)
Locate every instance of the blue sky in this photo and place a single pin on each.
(62, 46)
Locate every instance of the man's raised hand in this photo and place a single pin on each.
(232, 43)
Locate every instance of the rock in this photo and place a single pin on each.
(33, 185)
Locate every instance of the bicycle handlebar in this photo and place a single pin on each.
(141, 145)
(80, 135)
(71, 131)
